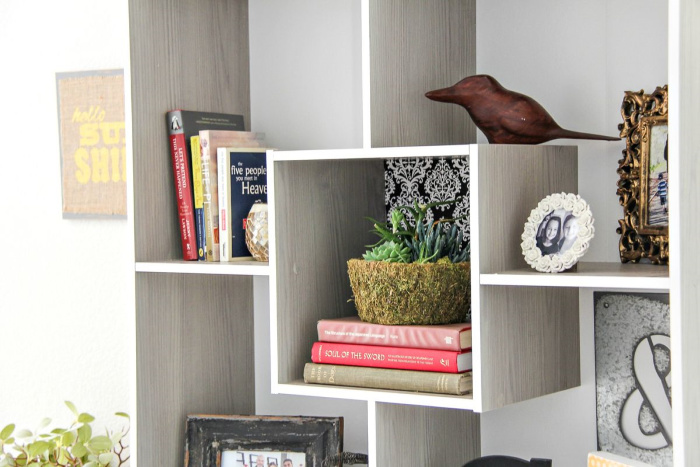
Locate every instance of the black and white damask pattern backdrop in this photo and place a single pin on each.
(633, 376)
(429, 180)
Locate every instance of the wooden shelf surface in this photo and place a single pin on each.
(300, 388)
(236, 268)
(586, 275)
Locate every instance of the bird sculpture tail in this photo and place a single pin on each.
(562, 133)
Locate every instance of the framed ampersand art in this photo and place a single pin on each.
(633, 376)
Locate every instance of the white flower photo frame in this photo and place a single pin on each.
(557, 233)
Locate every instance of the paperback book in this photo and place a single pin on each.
(210, 141)
(242, 182)
(198, 197)
(400, 358)
(352, 330)
(382, 378)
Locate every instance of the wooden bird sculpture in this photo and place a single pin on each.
(505, 116)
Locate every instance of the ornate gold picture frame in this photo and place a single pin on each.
(643, 171)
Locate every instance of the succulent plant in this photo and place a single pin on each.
(419, 242)
(390, 252)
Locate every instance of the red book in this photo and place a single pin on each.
(352, 330)
(183, 193)
(182, 125)
(399, 358)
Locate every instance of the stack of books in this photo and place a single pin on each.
(422, 358)
(219, 170)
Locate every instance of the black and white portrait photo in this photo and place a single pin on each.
(557, 233)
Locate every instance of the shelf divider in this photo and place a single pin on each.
(426, 435)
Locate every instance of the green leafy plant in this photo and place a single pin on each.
(64, 447)
(419, 241)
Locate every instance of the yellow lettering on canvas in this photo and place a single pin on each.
(101, 157)
(81, 160)
(100, 164)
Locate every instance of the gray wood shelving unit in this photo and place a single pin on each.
(194, 323)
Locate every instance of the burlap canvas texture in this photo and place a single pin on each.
(93, 143)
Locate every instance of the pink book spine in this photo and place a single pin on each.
(400, 358)
(353, 331)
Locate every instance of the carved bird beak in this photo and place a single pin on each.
(441, 95)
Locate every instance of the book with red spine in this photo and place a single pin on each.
(352, 330)
(182, 125)
(183, 193)
(399, 358)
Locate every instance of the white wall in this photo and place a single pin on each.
(305, 59)
(64, 320)
(577, 59)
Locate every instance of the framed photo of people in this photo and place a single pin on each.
(643, 184)
(557, 232)
(263, 441)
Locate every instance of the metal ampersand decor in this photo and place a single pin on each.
(643, 174)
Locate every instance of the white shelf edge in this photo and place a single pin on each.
(243, 268)
(379, 153)
(299, 388)
(591, 275)
(608, 282)
(474, 279)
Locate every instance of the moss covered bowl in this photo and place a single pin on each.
(410, 293)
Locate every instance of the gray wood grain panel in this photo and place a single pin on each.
(417, 46)
(194, 342)
(513, 179)
(320, 224)
(412, 436)
(184, 54)
(529, 342)
(689, 223)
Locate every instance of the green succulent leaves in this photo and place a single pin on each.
(390, 252)
(419, 242)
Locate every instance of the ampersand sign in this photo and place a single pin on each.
(653, 389)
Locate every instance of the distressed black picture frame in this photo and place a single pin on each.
(209, 436)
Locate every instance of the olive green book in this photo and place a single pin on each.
(383, 378)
